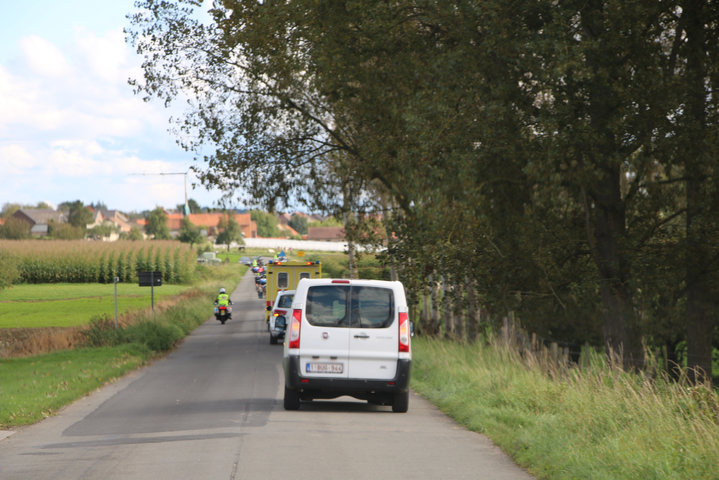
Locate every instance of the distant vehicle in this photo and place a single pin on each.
(278, 316)
(285, 276)
(208, 257)
(348, 337)
(246, 261)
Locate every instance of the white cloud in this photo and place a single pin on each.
(106, 57)
(44, 58)
(15, 160)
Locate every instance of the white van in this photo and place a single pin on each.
(348, 337)
(279, 312)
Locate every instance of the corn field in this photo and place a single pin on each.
(81, 261)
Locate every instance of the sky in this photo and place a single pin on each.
(70, 126)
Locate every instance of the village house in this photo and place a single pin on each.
(40, 219)
(326, 234)
(210, 223)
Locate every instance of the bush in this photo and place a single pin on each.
(157, 335)
(8, 269)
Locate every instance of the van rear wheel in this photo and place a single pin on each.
(400, 402)
(292, 399)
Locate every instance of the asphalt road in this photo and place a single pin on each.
(212, 409)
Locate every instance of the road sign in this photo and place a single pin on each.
(150, 279)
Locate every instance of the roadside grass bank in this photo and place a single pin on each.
(32, 388)
(592, 422)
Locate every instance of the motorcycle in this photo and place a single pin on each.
(223, 313)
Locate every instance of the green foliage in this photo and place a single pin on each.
(134, 234)
(15, 229)
(8, 209)
(79, 215)
(102, 231)
(299, 223)
(189, 233)
(556, 161)
(65, 231)
(327, 222)
(230, 231)
(157, 224)
(267, 224)
(8, 269)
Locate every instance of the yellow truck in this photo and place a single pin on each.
(285, 276)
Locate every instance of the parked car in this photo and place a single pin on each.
(209, 257)
(277, 321)
(348, 337)
(246, 261)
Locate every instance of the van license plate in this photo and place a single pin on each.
(314, 367)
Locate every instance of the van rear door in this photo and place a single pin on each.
(373, 333)
(324, 346)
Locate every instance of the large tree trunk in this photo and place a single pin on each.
(605, 232)
(700, 323)
(604, 207)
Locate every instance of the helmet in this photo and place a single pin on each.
(222, 290)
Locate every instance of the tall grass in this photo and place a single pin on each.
(568, 423)
(82, 261)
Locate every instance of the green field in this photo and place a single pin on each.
(73, 304)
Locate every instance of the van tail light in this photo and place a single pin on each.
(403, 332)
(295, 328)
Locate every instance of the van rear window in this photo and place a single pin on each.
(285, 301)
(372, 307)
(345, 306)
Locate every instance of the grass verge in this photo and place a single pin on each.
(590, 423)
(32, 388)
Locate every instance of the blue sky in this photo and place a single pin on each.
(70, 126)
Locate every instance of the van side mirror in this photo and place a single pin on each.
(411, 328)
(269, 308)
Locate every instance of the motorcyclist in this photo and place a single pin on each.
(223, 300)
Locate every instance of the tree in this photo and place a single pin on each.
(192, 203)
(79, 215)
(698, 139)
(9, 208)
(230, 231)
(134, 234)
(157, 224)
(15, 229)
(189, 233)
(65, 231)
(557, 155)
(299, 223)
(266, 223)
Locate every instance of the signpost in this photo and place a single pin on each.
(116, 279)
(150, 279)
